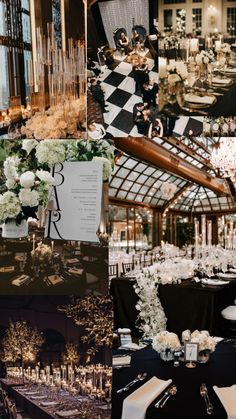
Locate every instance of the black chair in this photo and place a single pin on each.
(116, 36)
(113, 271)
(142, 33)
(127, 267)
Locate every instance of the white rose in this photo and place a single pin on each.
(27, 179)
(29, 198)
(206, 60)
(10, 183)
(45, 177)
(29, 145)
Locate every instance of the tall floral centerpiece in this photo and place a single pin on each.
(203, 59)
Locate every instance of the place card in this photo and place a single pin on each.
(191, 354)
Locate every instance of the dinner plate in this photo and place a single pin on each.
(214, 84)
(227, 275)
(193, 105)
(214, 282)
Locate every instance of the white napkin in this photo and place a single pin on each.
(75, 271)
(20, 280)
(218, 80)
(55, 279)
(121, 360)
(47, 404)
(67, 413)
(206, 281)
(38, 397)
(227, 396)
(136, 404)
(231, 70)
(208, 100)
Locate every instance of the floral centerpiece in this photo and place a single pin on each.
(178, 72)
(206, 343)
(55, 123)
(26, 190)
(43, 252)
(225, 48)
(166, 343)
(205, 57)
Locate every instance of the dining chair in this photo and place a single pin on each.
(127, 267)
(113, 271)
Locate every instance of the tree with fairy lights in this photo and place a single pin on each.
(70, 355)
(21, 342)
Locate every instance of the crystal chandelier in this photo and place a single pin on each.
(223, 157)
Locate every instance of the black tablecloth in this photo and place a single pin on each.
(225, 105)
(33, 409)
(187, 305)
(187, 403)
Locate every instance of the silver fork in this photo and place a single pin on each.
(157, 405)
(140, 377)
(204, 394)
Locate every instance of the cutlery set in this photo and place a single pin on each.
(170, 391)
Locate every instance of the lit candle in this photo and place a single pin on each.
(194, 45)
(162, 67)
(209, 233)
(203, 220)
(33, 242)
(52, 245)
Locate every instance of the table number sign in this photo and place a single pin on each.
(74, 210)
(191, 354)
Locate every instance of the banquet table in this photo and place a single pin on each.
(65, 402)
(224, 106)
(187, 403)
(188, 305)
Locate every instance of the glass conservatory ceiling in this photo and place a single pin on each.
(137, 181)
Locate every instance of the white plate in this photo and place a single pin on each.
(227, 275)
(213, 282)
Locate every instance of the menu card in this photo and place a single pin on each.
(74, 210)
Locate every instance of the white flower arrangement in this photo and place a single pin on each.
(54, 124)
(51, 152)
(168, 190)
(203, 338)
(177, 72)
(166, 341)
(151, 317)
(26, 191)
(225, 48)
(42, 252)
(205, 57)
(10, 206)
(107, 167)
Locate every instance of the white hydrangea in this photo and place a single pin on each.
(166, 340)
(10, 206)
(107, 167)
(51, 152)
(29, 198)
(27, 179)
(45, 177)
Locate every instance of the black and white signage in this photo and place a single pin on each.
(75, 202)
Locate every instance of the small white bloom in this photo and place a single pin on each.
(27, 179)
(45, 177)
(29, 145)
(10, 183)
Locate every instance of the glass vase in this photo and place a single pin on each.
(167, 355)
(204, 356)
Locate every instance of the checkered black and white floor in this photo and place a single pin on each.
(120, 96)
(185, 124)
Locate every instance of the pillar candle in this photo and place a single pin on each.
(194, 45)
(203, 220)
(162, 67)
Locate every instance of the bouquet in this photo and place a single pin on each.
(166, 341)
(205, 57)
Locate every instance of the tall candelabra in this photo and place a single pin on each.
(58, 72)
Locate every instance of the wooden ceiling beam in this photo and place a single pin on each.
(145, 149)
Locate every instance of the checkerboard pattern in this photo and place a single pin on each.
(185, 123)
(120, 95)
